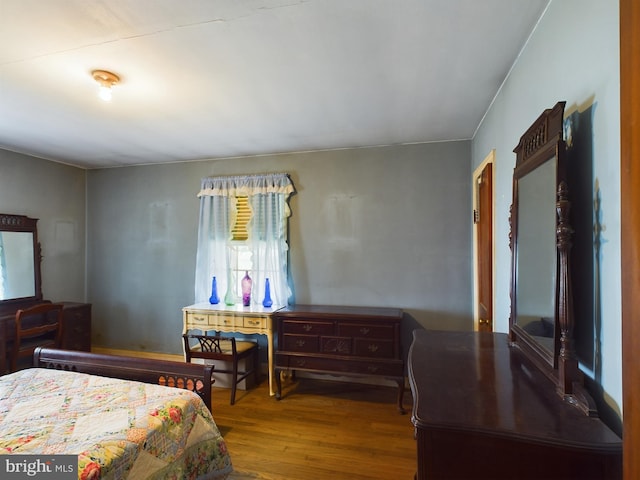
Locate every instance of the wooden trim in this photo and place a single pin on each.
(489, 159)
(630, 230)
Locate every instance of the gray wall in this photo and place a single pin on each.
(54, 194)
(387, 226)
(573, 56)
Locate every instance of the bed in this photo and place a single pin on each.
(110, 412)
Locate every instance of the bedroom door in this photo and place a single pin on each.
(483, 241)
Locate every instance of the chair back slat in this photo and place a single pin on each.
(216, 347)
(40, 325)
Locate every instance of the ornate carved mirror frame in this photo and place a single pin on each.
(542, 149)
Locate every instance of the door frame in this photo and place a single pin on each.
(630, 232)
(490, 158)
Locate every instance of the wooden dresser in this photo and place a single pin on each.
(350, 341)
(76, 326)
(483, 411)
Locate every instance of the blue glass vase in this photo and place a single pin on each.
(214, 299)
(267, 302)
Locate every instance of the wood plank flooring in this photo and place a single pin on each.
(320, 430)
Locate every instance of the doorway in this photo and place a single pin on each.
(483, 256)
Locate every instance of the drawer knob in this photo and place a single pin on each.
(364, 331)
(300, 343)
(307, 327)
(373, 347)
(300, 362)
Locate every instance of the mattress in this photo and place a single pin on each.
(119, 429)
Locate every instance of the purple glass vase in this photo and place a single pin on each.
(246, 289)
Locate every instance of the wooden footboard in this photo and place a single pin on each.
(190, 376)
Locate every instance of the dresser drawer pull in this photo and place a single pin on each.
(227, 321)
(253, 322)
(372, 368)
(196, 319)
(300, 343)
(373, 347)
(307, 327)
(300, 362)
(364, 331)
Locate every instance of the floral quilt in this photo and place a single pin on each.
(118, 428)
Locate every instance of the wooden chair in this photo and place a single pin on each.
(228, 349)
(37, 326)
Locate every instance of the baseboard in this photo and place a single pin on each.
(138, 354)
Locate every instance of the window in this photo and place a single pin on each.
(243, 228)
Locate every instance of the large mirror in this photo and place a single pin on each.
(19, 259)
(541, 322)
(535, 256)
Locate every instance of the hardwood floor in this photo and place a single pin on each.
(320, 430)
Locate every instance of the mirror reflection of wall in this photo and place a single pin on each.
(536, 253)
(18, 270)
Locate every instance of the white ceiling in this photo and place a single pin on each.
(223, 78)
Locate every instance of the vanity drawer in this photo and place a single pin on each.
(225, 321)
(255, 322)
(197, 320)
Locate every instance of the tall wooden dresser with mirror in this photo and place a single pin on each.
(514, 406)
(21, 287)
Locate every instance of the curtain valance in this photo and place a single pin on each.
(246, 185)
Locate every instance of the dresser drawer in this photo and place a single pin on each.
(300, 343)
(336, 345)
(376, 348)
(391, 369)
(365, 330)
(76, 326)
(307, 327)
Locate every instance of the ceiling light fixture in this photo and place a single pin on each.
(106, 80)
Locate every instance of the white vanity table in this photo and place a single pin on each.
(255, 319)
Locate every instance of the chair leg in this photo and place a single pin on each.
(234, 380)
(256, 366)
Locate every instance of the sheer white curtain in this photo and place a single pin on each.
(268, 196)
